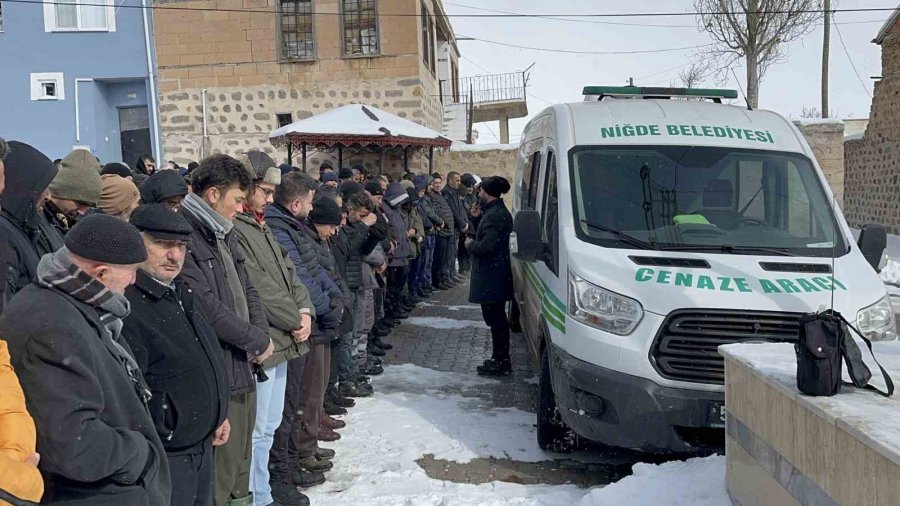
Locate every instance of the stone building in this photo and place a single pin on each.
(872, 163)
(230, 71)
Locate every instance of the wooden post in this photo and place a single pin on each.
(340, 157)
(405, 159)
(303, 149)
(290, 153)
(381, 164)
(431, 159)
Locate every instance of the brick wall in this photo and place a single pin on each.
(826, 139)
(872, 181)
(234, 56)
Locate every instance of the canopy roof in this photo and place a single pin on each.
(357, 125)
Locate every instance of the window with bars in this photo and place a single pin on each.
(284, 119)
(298, 40)
(359, 19)
(426, 39)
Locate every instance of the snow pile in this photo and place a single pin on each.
(475, 148)
(818, 121)
(695, 482)
(413, 414)
(437, 322)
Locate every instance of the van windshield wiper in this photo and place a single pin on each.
(728, 248)
(634, 241)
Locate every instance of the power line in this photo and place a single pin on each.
(850, 59)
(570, 51)
(416, 15)
(476, 65)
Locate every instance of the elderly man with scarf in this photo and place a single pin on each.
(82, 385)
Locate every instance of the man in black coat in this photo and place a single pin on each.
(460, 222)
(179, 354)
(164, 187)
(215, 270)
(492, 283)
(22, 226)
(97, 440)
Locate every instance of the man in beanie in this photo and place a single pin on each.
(119, 197)
(117, 168)
(469, 199)
(179, 355)
(215, 270)
(440, 277)
(296, 440)
(432, 223)
(491, 284)
(74, 190)
(345, 175)
(28, 173)
(165, 187)
(289, 312)
(330, 179)
(398, 257)
(460, 222)
(82, 384)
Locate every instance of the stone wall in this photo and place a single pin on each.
(826, 139)
(492, 160)
(234, 55)
(872, 182)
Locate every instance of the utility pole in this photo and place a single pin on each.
(826, 48)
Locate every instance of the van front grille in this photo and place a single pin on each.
(686, 347)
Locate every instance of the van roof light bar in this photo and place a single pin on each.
(592, 93)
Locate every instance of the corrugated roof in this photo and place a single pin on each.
(887, 26)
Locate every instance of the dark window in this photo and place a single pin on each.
(359, 19)
(284, 119)
(426, 37)
(550, 214)
(297, 37)
(1, 16)
(530, 181)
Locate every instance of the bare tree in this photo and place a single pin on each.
(694, 75)
(755, 31)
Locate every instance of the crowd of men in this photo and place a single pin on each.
(191, 336)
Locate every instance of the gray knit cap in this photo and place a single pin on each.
(78, 178)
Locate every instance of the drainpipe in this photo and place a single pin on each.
(205, 129)
(78, 108)
(152, 76)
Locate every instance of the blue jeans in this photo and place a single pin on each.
(269, 409)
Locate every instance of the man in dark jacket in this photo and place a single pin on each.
(491, 271)
(398, 258)
(433, 224)
(215, 270)
(289, 311)
(144, 167)
(179, 354)
(97, 440)
(460, 222)
(296, 440)
(28, 174)
(439, 278)
(165, 187)
(469, 199)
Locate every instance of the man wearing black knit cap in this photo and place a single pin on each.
(164, 187)
(491, 284)
(179, 354)
(84, 388)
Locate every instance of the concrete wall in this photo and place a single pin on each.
(873, 162)
(234, 55)
(826, 139)
(50, 125)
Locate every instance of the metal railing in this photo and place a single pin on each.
(483, 89)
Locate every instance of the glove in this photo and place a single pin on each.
(332, 319)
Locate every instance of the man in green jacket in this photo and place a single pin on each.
(289, 311)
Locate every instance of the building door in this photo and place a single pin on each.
(134, 132)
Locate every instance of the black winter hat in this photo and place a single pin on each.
(395, 194)
(413, 196)
(103, 238)
(495, 186)
(468, 180)
(162, 185)
(374, 187)
(345, 173)
(325, 211)
(119, 169)
(159, 221)
(349, 188)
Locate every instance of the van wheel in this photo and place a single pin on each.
(553, 434)
(513, 315)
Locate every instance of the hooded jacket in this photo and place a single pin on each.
(399, 225)
(17, 437)
(141, 173)
(444, 212)
(161, 186)
(274, 276)
(28, 174)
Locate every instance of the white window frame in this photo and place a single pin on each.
(37, 89)
(50, 17)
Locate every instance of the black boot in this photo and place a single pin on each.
(375, 340)
(354, 389)
(305, 479)
(372, 369)
(495, 368)
(334, 395)
(287, 494)
(375, 351)
(332, 409)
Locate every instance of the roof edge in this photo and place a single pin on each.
(882, 34)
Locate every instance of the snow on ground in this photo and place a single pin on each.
(452, 308)
(437, 322)
(412, 415)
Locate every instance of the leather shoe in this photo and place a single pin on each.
(327, 435)
(376, 351)
(305, 479)
(325, 453)
(287, 494)
(331, 409)
(331, 423)
(313, 464)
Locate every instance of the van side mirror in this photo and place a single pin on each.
(527, 227)
(873, 244)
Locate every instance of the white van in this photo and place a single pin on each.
(652, 226)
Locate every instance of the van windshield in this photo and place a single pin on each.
(695, 198)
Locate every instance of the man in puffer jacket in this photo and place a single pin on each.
(296, 440)
(398, 259)
(19, 475)
(432, 224)
(289, 311)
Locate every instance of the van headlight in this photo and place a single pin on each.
(600, 308)
(876, 322)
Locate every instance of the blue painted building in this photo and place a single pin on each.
(77, 73)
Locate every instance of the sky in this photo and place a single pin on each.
(787, 88)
